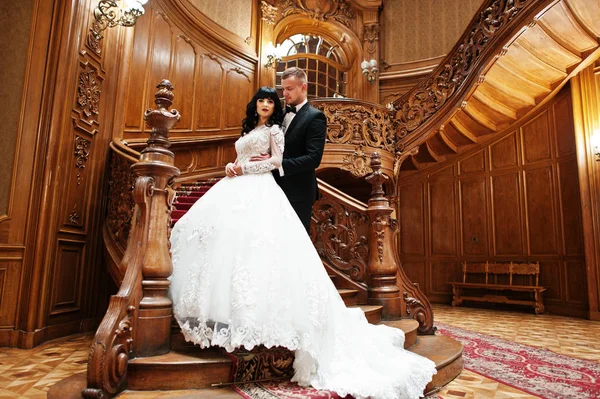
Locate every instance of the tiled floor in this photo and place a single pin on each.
(30, 373)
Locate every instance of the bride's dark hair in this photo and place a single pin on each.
(251, 119)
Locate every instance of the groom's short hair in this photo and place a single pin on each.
(296, 72)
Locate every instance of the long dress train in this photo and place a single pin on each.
(246, 273)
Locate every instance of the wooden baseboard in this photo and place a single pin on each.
(30, 339)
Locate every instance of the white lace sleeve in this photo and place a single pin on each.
(276, 149)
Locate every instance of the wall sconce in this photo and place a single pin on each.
(109, 14)
(272, 54)
(595, 142)
(369, 69)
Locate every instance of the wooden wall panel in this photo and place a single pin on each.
(570, 207)
(209, 93)
(442, 217)
(416, 272)
(136, 83)
(412, 234)
(441, 273)
(541, 223)
(66, 280)
(503, 153)
(506, 215)
(536, 139)
(515, 198)
(184, 65)
(9, 290)
(473, 216)
(473, 164)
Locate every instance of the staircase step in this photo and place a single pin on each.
(349, 296)
(179, 370)
(410, 328)
(446, 352)
(373, 312)
(184, 199)
(183, 206)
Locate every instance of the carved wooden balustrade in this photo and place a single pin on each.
(356, 128)
(423, 108)
(138, 319)
(358, 243)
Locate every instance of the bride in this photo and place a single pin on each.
(245, 273)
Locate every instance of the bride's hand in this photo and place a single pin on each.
(237, 169)
(261, 157)
(230, 170)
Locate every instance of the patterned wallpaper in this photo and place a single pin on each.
(13, 41)
(419, 29)
(233, 15)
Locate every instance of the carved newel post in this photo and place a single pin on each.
(382, 266)
(157, 162)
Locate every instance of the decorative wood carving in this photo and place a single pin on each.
(138, 319)
(320, 10)
(94, 40)
(340, 236)
(357, 163)
(269, 12)
(371, 36)
(428, 97)
(88, 93)
(74, 217)
(121, 181)
(365, 124)
(82, 152)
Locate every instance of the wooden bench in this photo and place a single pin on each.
(499, 278)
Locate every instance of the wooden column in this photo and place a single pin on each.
(382, 266)
(157, 161)
(267, 22)
(585, 89)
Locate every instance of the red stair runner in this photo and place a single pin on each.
(188, 194)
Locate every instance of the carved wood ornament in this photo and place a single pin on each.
(352, 123)
(320, 10)
(428, 97)
(357, 163)
(269, 12)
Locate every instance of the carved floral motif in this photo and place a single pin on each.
(88, 93)
(357, 163)
(340, 236)
(428, 97)
(82, 152)
(320, 10)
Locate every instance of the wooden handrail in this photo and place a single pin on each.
(138, 319)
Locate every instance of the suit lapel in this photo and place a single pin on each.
(299, 115)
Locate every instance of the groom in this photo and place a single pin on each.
(305, 129)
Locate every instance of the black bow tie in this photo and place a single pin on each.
(290, 108)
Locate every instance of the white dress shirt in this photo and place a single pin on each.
(287, 119)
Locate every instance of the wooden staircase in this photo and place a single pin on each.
(138, 347)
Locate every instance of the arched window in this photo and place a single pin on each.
(319, 59)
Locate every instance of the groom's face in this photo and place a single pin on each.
(294, 90)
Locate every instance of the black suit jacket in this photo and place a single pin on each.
(304, 145)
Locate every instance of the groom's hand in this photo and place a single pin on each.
(261, 157)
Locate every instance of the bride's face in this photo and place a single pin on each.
(265, 107)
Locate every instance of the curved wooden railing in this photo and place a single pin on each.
(422, 109)
(138, 319)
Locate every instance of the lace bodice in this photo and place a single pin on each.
(263, 139)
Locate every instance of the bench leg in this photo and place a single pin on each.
(456, 300)
(539, 303)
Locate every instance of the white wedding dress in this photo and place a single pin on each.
(245, 273)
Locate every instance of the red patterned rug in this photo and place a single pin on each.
(536, 371)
